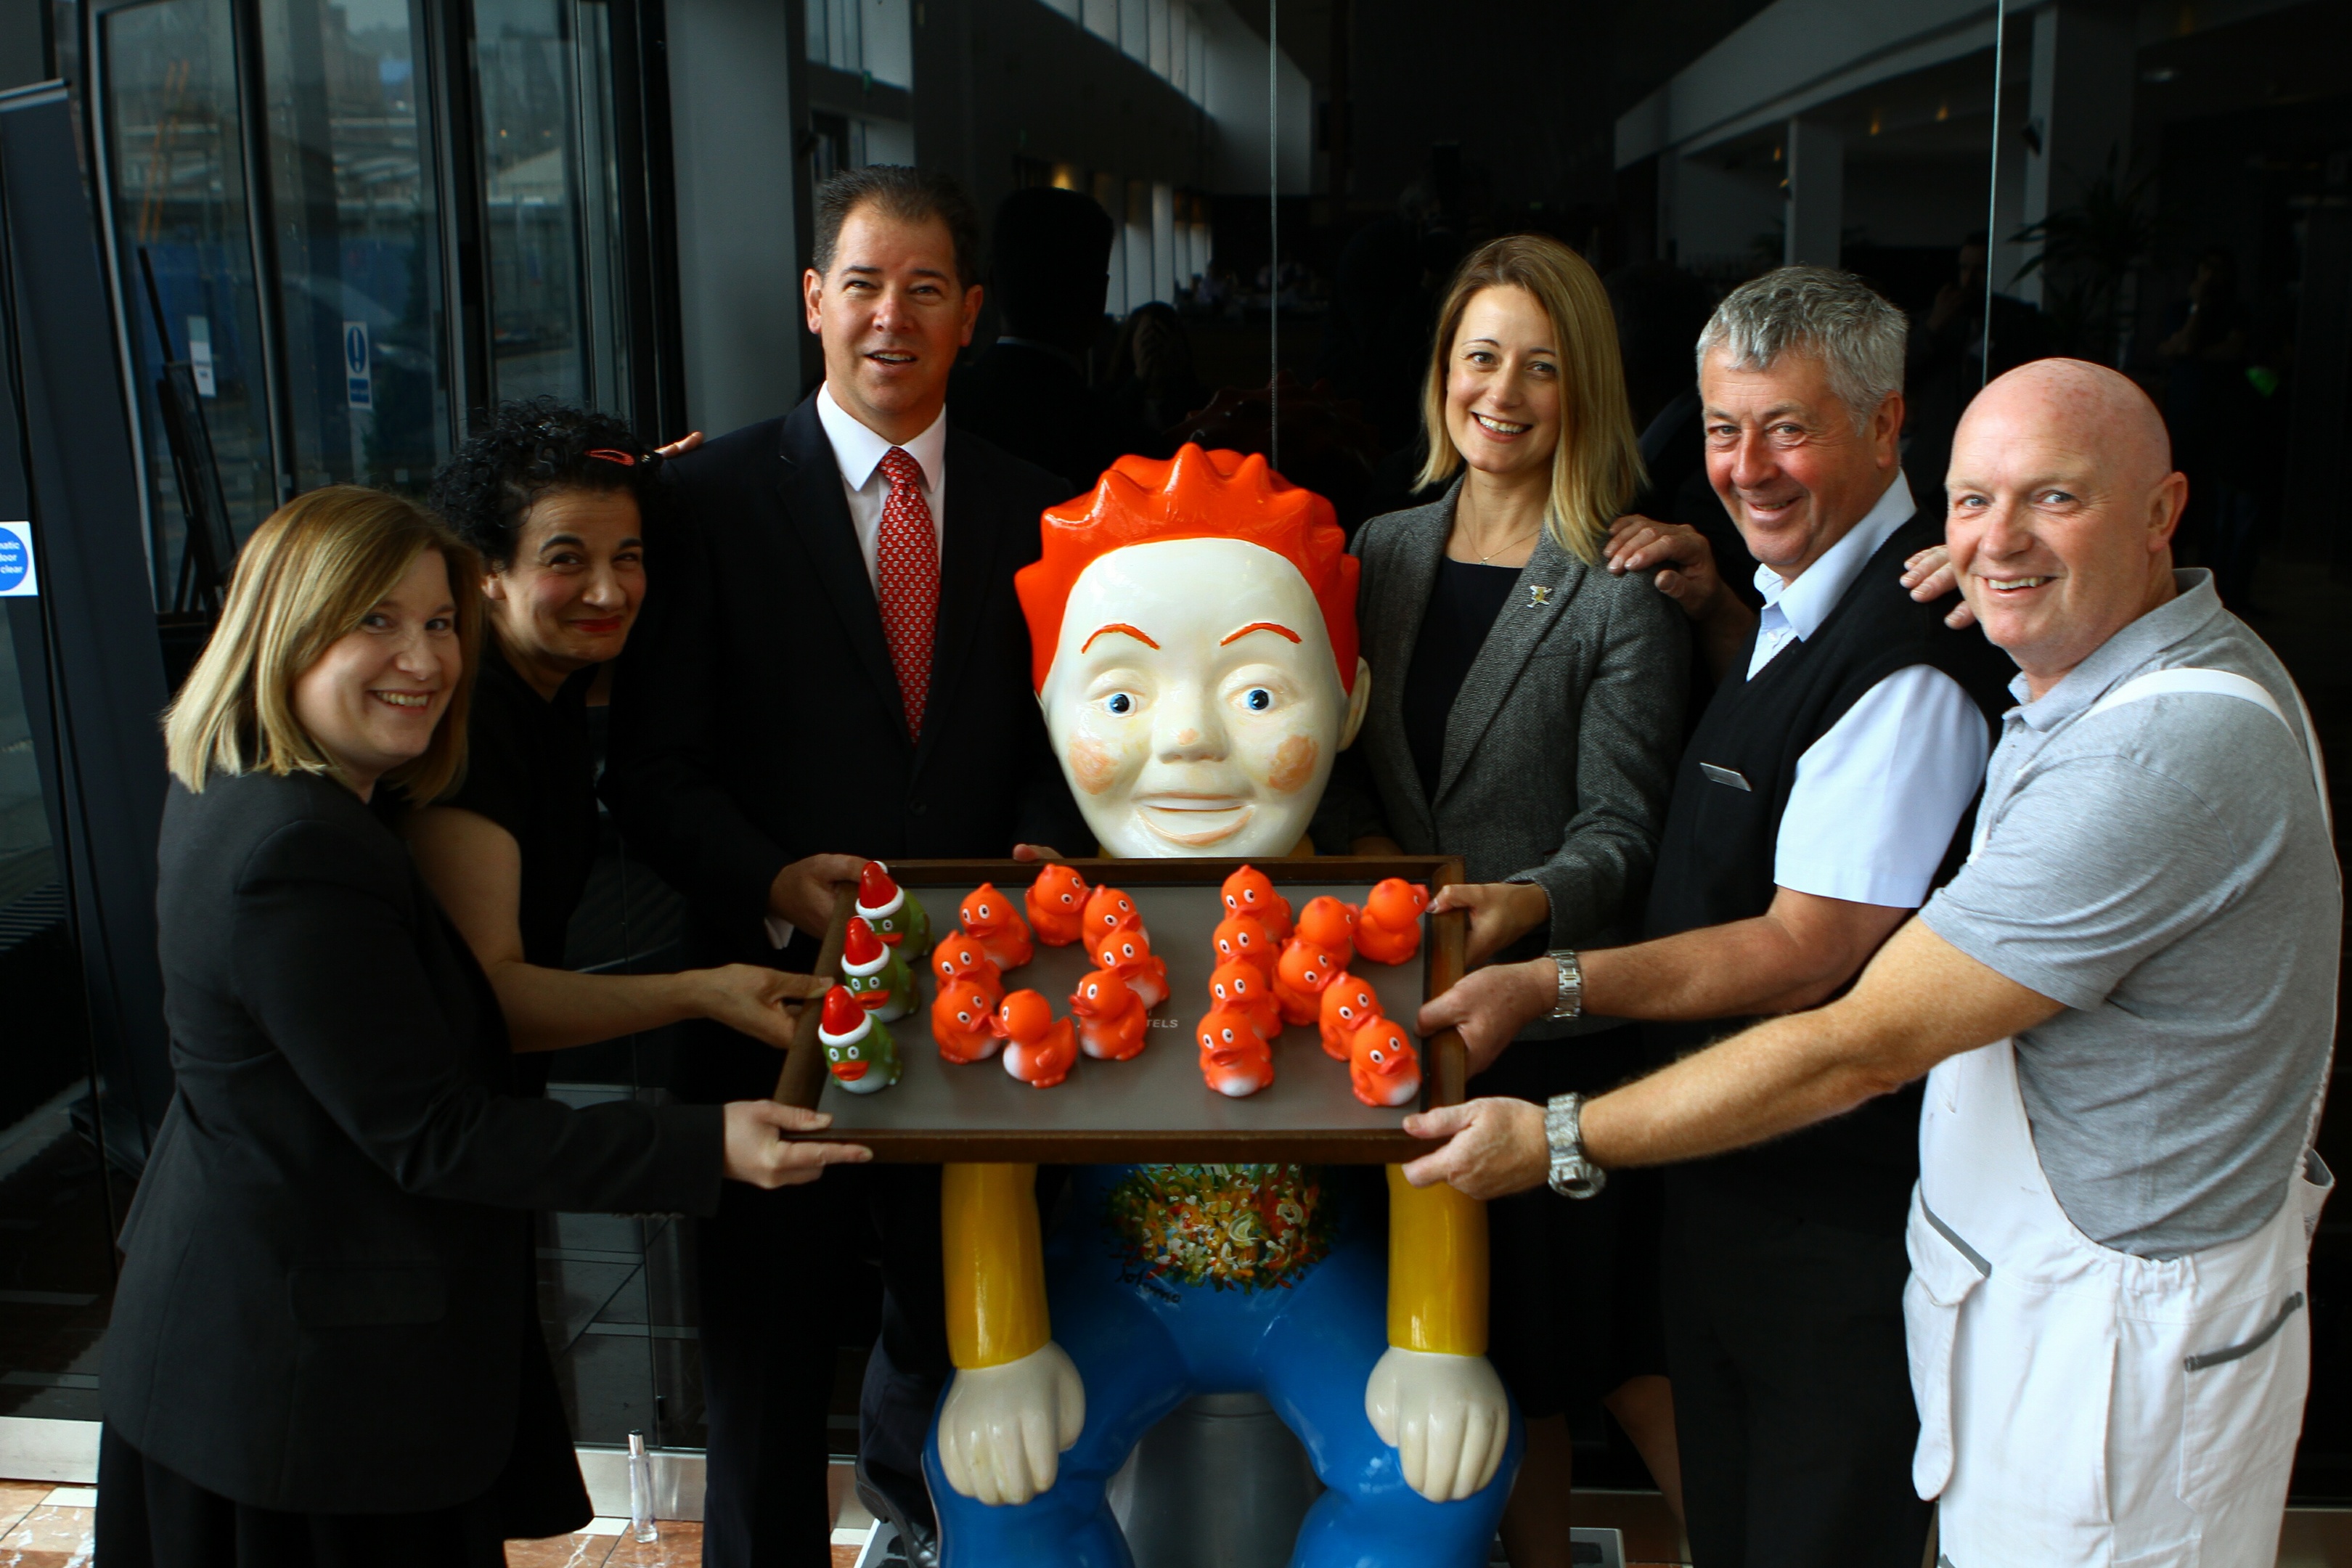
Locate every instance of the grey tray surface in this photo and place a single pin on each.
(1159, 1090)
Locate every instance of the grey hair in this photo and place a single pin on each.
(1815, 310)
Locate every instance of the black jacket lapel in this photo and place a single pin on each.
(808, 481)
(972, 534)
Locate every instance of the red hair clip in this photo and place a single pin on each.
(611, 455)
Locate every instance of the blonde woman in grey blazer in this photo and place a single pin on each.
(1526, 714)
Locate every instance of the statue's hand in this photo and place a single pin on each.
(1002, 1428)
(1446, 1417)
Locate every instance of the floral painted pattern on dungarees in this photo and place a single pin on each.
(1231, 1228)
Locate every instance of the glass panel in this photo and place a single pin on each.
(176, 167)
(528, 64)
(356, 237)
(55, 1234)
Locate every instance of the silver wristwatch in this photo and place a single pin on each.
(1572, 1175)
(1570, 1001)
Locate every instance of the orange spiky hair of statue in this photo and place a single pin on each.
(1193, 495)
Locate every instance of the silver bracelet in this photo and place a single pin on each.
(1570, 1000)
(1571, 1175)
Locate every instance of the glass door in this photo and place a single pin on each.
(355, 226)
(179, 216)
(551, 180)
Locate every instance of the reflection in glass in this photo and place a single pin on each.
(552, 178)
(177, 193)
(56, 1237)
(356, 215)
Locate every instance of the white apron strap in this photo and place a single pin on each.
(2187, 682)
(2228, 683)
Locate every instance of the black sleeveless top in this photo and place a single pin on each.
(1715, 860)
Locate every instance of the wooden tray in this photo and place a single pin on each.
(1153, 1108)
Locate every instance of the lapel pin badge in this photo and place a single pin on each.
(1538, 594)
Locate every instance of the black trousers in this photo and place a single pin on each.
(772, 1267)
(1792, 1396)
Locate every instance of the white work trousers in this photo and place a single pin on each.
(2081, 1405)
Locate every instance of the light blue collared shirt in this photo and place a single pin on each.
(1877, 798)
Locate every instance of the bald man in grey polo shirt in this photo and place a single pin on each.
(2124, 1004)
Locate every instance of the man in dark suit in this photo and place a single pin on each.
(1049, 268)
(831, 666)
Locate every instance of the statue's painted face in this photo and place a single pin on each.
(1193, 701)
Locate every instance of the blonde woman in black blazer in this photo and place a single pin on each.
(325, 1347)
(1526, 714)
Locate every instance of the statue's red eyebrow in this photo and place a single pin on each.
(1122, 626)
(1260, 627)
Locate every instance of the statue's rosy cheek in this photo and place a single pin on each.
(1094, 766)
(1293, 764)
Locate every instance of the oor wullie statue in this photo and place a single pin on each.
(1193, 635)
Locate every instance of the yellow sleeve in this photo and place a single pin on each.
(995, 1262)
(1438, 1268)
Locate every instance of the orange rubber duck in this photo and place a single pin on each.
(1242, 939)
(1299, 979)
(1330, 924)
(1234, 1059)
(1348, 1005)
(990, 919)
(963, 1018)
(1250, 891)
(959, 958)
(1111, 1018)
(1382, 1067)
(1040, 1049)
(1107, 910)
(1388, 929)
(1243, 988)
(1126, 952)
(1058, 906)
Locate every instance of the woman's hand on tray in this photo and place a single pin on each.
(1493, 1147)
(750, 999)
(1002, 1429)
(756, 1155)
(1446, 1417)
(1500, 914)
(801, 894)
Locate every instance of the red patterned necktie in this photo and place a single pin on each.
(907, 563)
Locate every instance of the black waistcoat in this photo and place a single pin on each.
(1715, 861)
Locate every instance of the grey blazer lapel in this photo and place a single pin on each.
(1390, 628)
(1545, 584)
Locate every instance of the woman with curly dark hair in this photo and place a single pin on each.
(555, 499)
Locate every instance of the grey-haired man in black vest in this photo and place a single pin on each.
(1825, 794)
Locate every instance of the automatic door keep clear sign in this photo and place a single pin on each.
(17, 578)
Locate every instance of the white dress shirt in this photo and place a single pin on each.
(1877, 798)
(858, 452)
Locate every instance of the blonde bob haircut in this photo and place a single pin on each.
(305, 580)
(1597, 467)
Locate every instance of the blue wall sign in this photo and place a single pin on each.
(17, 578)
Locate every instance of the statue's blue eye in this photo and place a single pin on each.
(1118, 702)
(1257, 699)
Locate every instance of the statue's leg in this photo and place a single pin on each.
(1134, 1374)
(1316, 1360)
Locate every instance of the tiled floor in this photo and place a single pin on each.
(45, 1526)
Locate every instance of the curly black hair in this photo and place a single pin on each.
(528, 450)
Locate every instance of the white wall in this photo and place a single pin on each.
(731, 135)
(1234, 97)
